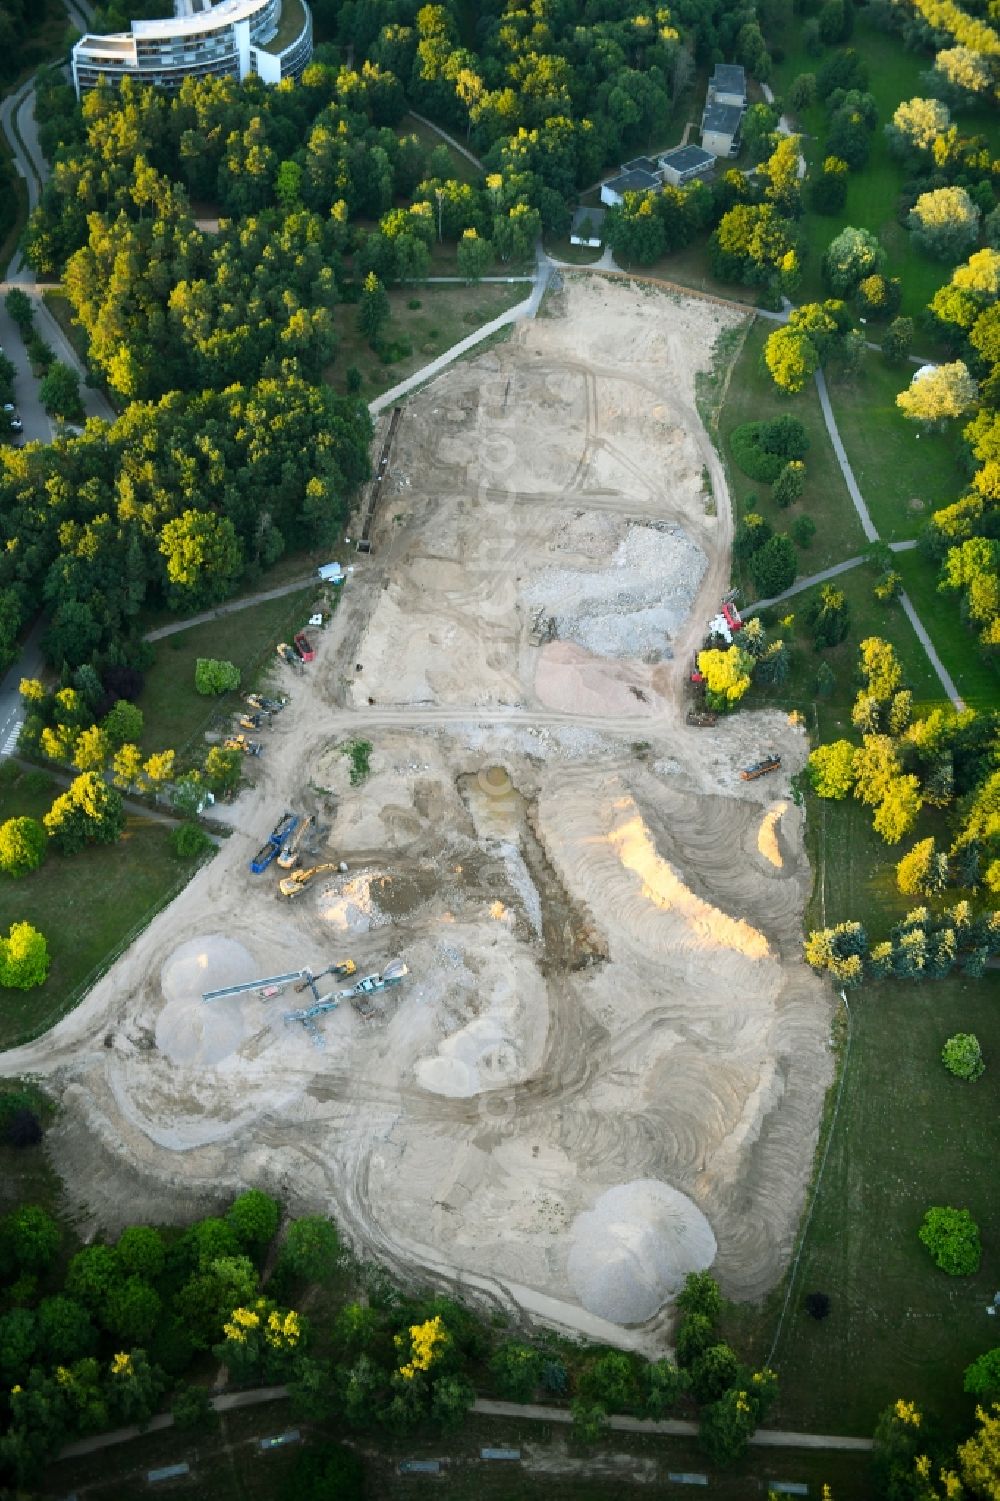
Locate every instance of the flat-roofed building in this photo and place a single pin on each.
(720, 129)
(728, 85)
(230, 39)
(684, 164)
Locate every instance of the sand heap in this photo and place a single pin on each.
(631, 1252)
(188, 1029)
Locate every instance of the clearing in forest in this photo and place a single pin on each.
(607, 1064)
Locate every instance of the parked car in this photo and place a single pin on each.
(16, 425)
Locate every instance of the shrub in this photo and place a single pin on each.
(817, 1305)
(803, 530)
(962, 1056)
(789, 485)
(982, 1377)
(517, 1371)
(214, 677)
(762, 449)
(952, 1238)
(360, 752)
(254, 1216)
(22, 845)
(24, 958)
(773, 566)
(751, 533)
(189, 841)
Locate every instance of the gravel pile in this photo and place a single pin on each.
(633, 606)
(632, 1251)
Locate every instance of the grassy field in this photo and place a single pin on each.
(232, 1465)
(894, 75)
(908, 1136)
(442, 316)
(752, 397)
(977, 680)
(175, 714)
(872, 195)
(85, 904)
(902, 475)
(868, 618)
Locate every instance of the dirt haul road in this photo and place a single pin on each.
(607, 1064)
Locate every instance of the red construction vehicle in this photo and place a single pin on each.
(304, 646)
(731, 616)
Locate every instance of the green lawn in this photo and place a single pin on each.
(442, 316)
(908, 1136)
(753, 396)
(903, 475)
(976, 679)
(175, 714)
(85, 904)
(868, 618)
(872, 196)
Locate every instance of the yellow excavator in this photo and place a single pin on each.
(297, 882)
(290, 852)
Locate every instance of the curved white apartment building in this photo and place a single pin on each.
(230, 39)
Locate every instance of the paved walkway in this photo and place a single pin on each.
(871, 532)
(767, 1438)
(822, 577)
(231, 609)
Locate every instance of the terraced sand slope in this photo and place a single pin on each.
(607, 1063)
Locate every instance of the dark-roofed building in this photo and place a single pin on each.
(684, 164)
(728, 85)
(641, 164)
(720, 129)
(587, 227)
(636, 181)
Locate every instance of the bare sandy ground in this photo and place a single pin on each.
(607, 1064)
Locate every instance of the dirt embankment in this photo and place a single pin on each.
(607, 1063)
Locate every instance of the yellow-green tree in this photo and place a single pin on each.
(938, 392)
(92, 749)
(791, 357)
(897, 812)
(831, 769)
(727, 676)
(160, 767)
(126, 768)
(979, 1456)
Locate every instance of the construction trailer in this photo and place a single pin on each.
(702, 719)
(276, 841)
(393, 974)
(770, 762)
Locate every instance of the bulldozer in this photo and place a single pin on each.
(241, 743)
(297, 882)
(268, 705)
(290, 851)
(250, 721)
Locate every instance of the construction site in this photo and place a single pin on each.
(517, 994)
